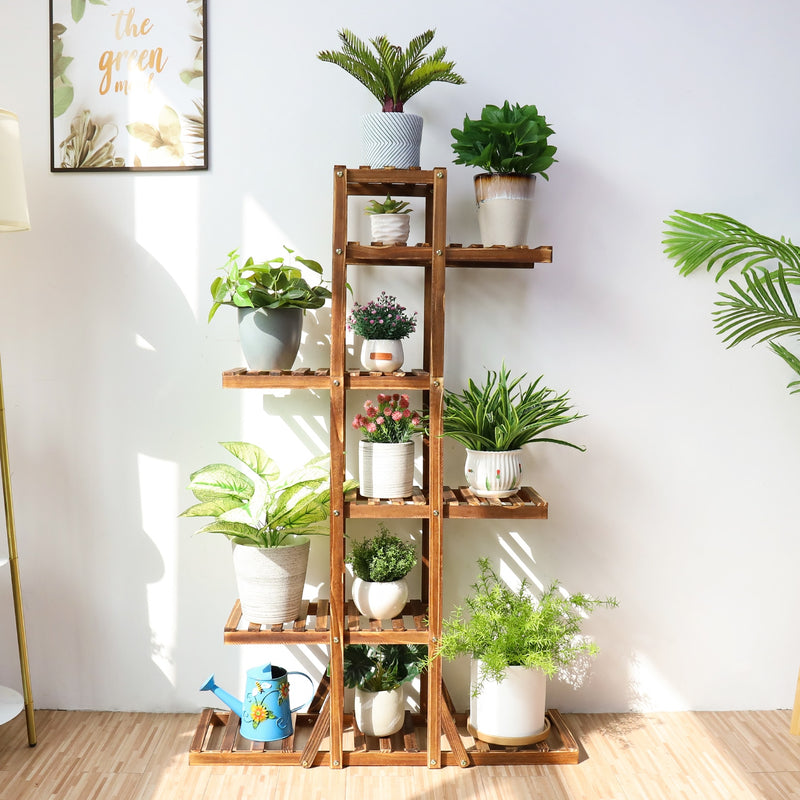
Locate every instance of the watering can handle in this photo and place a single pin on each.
(308, 678)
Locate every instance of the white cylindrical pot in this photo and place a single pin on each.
(380, 713)
(391, 139)
(386, 470)
(504, 204)
(390, 228)
(380, 599)
(492, 473)
(382, 355)
(270, 337)
(511, 711)
(270, 580)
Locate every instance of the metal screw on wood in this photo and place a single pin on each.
(464, 762)
(436, 383)
(433, 762)
(436, 512)
(336, 513)
(305, 763)
(336, 640)
(336, 383)
(440, 174)
(338, 251)
(335, 763)
(438, 252)
(339, 173)
(434, 639)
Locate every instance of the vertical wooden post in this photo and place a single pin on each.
(794, 728)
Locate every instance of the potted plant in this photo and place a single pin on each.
(383, 324)
(386, 451)
(268, 521)
(516, 641)
(271, 298)
(379, 674)
(393, 74)
(380, 565)
(494, 420)
(389, 220)
(510, 144)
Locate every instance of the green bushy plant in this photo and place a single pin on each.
(382, 318)
(513, 628)
(387, 206)
(500, 415)
(382, 558)
(382, 667)
(507, 140)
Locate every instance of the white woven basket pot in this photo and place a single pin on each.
(504, 204)
(391, 139)
(380, 713)
(386, 469)
(382, 355)
(493, 473)
(270, 337)
(270, 580)
(390, 228)
(512, 711)
(380, 599)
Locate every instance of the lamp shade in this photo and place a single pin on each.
(13, 203)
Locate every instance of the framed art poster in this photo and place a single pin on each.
(128, 89)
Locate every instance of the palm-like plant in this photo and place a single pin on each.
(763, 309)
(392, 74)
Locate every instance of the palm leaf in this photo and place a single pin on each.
(792, 360)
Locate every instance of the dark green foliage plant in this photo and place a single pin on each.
(763, 310)
(505, 140)
(501, 415)
(382, 667)
(387, 206)
(513, 628)
(382, 558)
(270, 284)
(393, 74)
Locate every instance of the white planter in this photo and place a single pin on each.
(390, 228)
(380, 713)
(391, 139)
(386, 470)
(511, 712)
(504, 204)
(382, 355)
(380, 599)
(270, 580)
(493, 473)
(270, 337)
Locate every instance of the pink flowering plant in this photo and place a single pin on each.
(390, 421)
(383, 318)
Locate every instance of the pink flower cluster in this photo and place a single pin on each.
(390, 421)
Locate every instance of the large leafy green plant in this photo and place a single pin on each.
(382, 667)
(256, 507)
(513, 628)
(500, 415)
(507, 140)
(393, 74)
(763, 309)
(382, 558)
(269, 284)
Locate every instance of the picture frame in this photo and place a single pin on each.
(128, 88)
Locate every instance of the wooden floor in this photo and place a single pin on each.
(703, 756)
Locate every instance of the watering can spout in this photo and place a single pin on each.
(229, 700)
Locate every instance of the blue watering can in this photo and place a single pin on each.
(265, 713)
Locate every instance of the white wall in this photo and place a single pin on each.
(684, 505)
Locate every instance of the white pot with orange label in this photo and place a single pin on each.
(382, 355)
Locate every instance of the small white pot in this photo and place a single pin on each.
(382, 355)
(512, 711)
(380, 713)
(386, 469)
(390, 228)
(504, 204)
(391, 139)
(379, 599)
(270, 580)
(493, 473)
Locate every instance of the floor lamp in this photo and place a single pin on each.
(13, 217)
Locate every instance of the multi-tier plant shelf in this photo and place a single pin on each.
(437, 735)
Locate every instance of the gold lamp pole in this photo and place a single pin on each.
(13, 217)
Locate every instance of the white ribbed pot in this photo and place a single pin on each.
(380, 713)
(386, 469)
(380, 599)
(511, 712)
(270, 580)
(390, 228)
(270, 337)
(504, 204)
(391, 139)
(382, 355)
(492, 473)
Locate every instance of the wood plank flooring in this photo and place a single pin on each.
(747, 755)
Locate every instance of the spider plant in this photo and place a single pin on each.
(501, 415)
(762, 309)
(393, 74)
